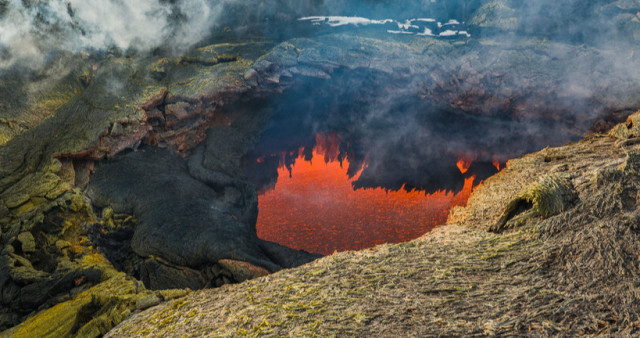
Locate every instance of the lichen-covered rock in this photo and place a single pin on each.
(95, 311)
(27, 242)
(31, 96)
(37, 271)
(100, 110)
(548, 197)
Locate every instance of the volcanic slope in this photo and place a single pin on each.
(550, 245)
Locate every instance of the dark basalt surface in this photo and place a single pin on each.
(190, 213)
(182, 219)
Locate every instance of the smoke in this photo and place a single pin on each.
(33, 31)
(534, 74)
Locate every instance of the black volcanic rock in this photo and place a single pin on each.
(180, 218)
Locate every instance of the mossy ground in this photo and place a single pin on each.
(95, 311)
(29, 97)
(53, 122)
(391, 289)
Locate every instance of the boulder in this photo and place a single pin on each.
(27, 242)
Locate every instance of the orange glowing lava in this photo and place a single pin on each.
(463, 165)
(317, 209)
(496, 164)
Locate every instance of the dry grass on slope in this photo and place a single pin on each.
(432, 285)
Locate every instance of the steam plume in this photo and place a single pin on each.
(30, 31)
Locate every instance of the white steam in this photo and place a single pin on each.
(30, 31)
(106, 23)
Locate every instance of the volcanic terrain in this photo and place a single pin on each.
(131, 170)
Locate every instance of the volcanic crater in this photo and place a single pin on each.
(236, 159)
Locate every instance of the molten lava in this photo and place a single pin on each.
(316, 208)
(463, 165)
(497, 164)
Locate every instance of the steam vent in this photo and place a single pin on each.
(319, 168)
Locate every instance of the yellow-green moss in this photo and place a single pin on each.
(93, 312)
(547, 197)
(51, 101)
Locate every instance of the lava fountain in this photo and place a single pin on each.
(314, 207)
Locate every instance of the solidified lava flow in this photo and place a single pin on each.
(314, 207)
